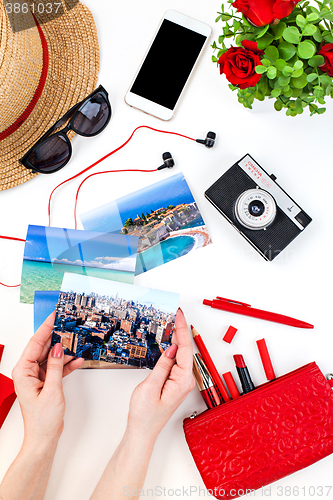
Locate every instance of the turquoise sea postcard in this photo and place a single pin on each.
(164, 216)
(50, 252)
(109, 324)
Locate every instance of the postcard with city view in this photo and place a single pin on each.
(164, 216)
(112, 324)
(49, 252)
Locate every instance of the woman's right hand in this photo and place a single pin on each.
(38, 385)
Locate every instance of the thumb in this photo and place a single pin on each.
(55, 366)
(162, 369)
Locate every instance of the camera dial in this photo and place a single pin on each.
(255, 209)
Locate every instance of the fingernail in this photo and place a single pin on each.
(171, 351)
(57, 351)
(180, 310)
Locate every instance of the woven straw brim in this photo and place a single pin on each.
(72, 74)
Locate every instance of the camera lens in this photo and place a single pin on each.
(255, 209)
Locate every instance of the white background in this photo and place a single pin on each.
(298, 283)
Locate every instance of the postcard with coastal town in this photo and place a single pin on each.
(164, 215)
(49, 252)
(109, 324)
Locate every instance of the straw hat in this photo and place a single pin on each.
(44, 70)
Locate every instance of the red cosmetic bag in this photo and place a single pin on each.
(262, 436)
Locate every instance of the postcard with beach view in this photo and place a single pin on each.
(49, 252)
(110, 324)
(164, 216)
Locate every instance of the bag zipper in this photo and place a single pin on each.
(329, 378)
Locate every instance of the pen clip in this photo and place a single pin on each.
(230, 301)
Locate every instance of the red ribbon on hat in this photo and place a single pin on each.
(21, 119)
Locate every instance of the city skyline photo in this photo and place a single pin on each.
(110, 324)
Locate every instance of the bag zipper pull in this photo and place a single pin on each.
(195, 413)
(329, 378)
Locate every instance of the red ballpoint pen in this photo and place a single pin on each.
(242, 308)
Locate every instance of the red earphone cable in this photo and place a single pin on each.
(96, 173)
(11, 238)
(107, 156)
(10, 286)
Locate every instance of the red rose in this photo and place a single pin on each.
(238, 64)
(327, 52)
(262, 12)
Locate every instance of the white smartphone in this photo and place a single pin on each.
(168, 64)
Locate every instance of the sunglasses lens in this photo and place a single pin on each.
(51, 155)
(93, 116)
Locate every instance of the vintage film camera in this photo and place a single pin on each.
(257, 207)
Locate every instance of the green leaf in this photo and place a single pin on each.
(272, 53)
(286, 50)
(316, 61)
(300, 21)
(298, 64)
(306, 50)
(292, 35)
(287, 71)
(271, 72)
(317, 35)
(284, 81)
(260, 69)
(225, 17)
(328, 17)
(236, 25)
(278, 105)
(265, 40)
(312, 77)
(285, 90)
(297, 73)
(312, 17)
(328, 38)
(297, 93)
(280, 64)
(263, 85)
(276, 92)
(258, 95)
(321, 110)
(326, 80)
(261, 32)
(288, 93)
(266, 62)
(309, 30)
(300, 82)
(278, 29)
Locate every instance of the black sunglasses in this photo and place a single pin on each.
(88, 118)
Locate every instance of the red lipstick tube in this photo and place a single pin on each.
(205, 382)
(266, 360)
(243, 373)
(230, 383)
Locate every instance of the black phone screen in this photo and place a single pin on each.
(168, 64)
